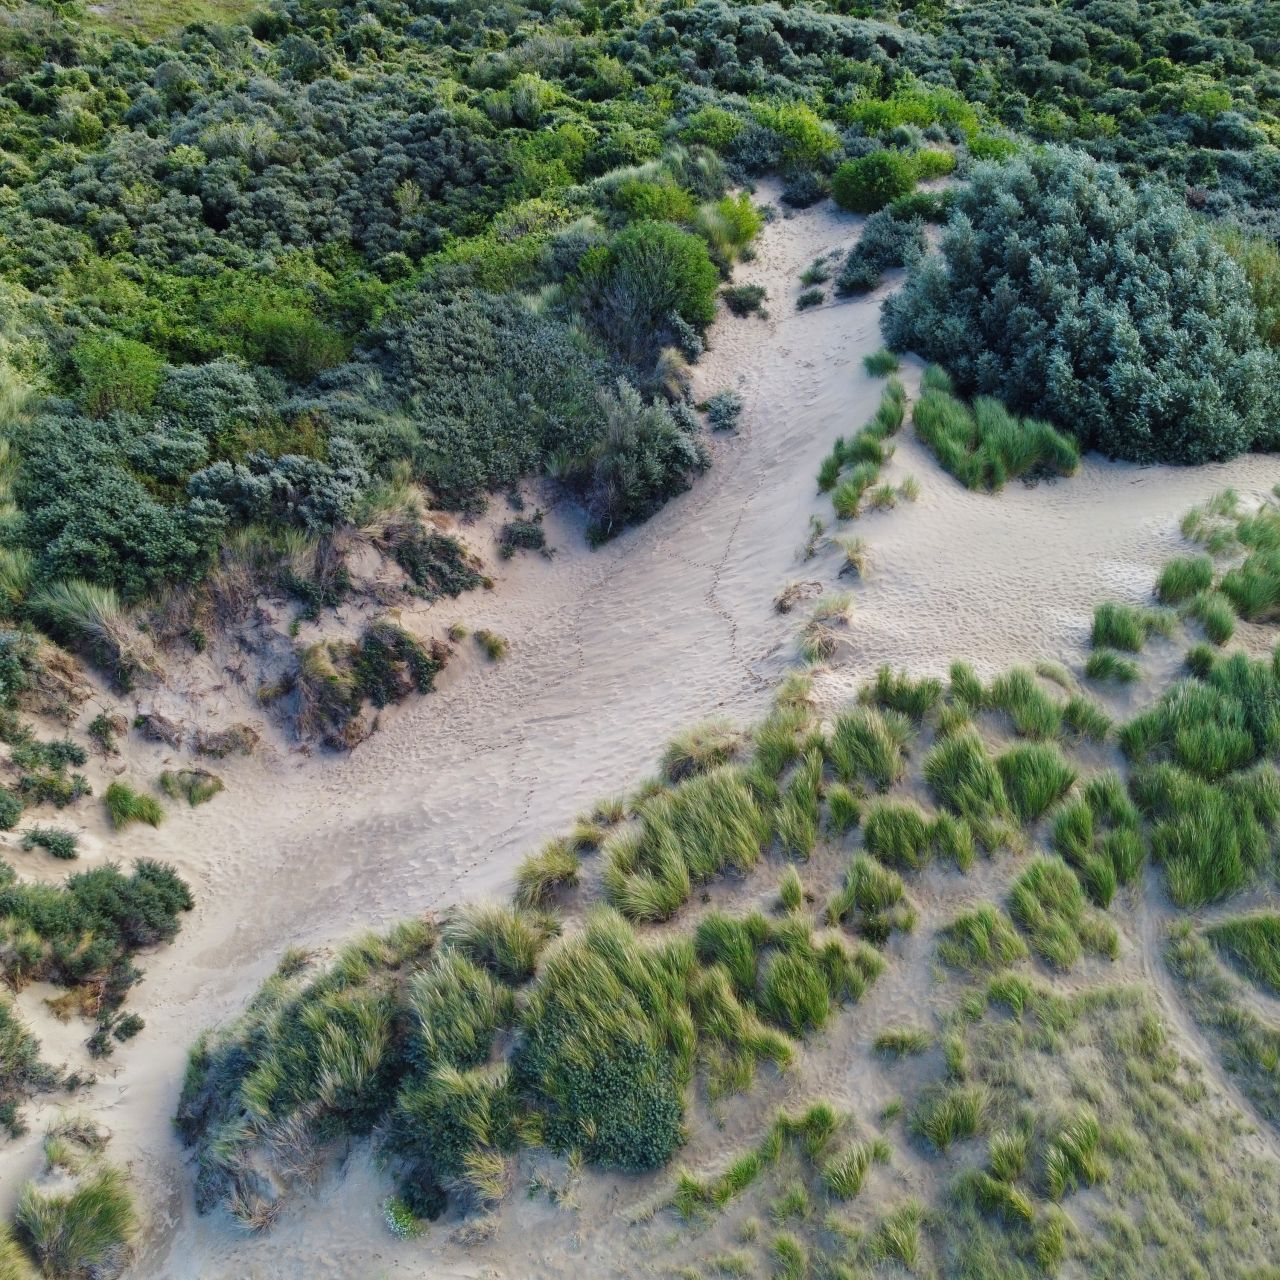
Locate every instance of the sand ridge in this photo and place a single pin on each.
(612, 652)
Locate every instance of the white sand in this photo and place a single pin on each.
(612, 652)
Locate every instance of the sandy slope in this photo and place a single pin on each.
(612, 651)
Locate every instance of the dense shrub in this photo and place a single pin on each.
(650, 273)
(643, 457)
(1079, 299)
(873, 181)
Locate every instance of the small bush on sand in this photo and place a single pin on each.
(981, 939)
(744, 299)
(54, 840)
(78, 1232)
(873, 181)
(125, 805)
(1183, 578)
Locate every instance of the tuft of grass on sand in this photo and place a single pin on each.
(1106, 664)
(556, 865)
(868, 743)
(493, 646)
(1183, 578)
(879, 364)
(1049, 903)
(983, 938)
(1127, 626)
(1253, 943)
(699, 749)
(125, 805)
(78, 1232)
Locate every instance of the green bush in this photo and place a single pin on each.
(873, 181)
(117, 375)
(648, 273)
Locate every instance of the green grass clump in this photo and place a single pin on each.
(125, 805)
(868, 743)
(1183, 578)
(195, 786)
(897, 691)
(1036, 776)
(983, 938)
(965, 779)
(899, 833)
(796, 817)
(1208, 838)
(1072, 1157)
(844, 809)
(1253, 943)
(844, 1173)
(1253, 587)
(985, 446)
(846, 496)
(54, 840)
(72, 1233)
(699, 749)
(493, 646)
(456, 1008)
(1033, 712)
(1048, 902)
(1213, 611)
(687, 833)
(1106, 664)
(505, 940)
(950, 1114)
(872, 901)
(1097, 833)
(1085, 718)
(538, 877)
(791, 890)
(1127, 626)
(879, 364)
(900, 1042)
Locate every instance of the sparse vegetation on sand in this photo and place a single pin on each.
(1253, 944)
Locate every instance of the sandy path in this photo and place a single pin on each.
(612, 651)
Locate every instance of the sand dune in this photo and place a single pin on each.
(612, 651)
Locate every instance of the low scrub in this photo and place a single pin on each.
(1127, 626)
